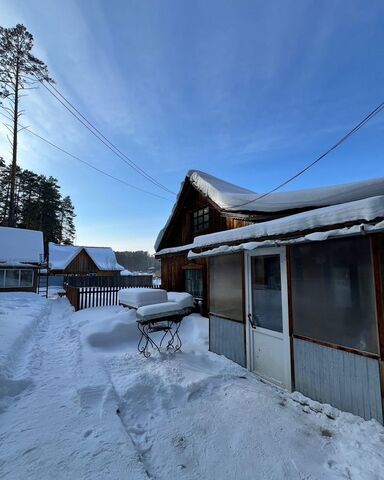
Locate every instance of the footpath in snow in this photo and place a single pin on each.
(90, 407)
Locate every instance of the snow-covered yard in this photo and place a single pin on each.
(78, 401)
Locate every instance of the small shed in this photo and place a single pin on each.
(82, 260)
(21, 255)
(297, 295)
(299, 300)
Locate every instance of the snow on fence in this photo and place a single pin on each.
(109, 281)
(87, 297)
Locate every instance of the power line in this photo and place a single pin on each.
(361, 124)
(120, 180)
(102, 138)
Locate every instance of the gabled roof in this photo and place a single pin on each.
(60, 256)
(231, 198)
(21, 245)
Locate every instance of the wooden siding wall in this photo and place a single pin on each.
(172, 271)
(82, 263)
(345, 380)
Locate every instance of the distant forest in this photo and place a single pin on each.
(139, 261)
(39, 205)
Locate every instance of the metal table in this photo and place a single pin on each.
(169, 325)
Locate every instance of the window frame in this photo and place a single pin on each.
(200, 220)
(3, 276)
(321, 338)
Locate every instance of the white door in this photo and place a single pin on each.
(267, 315)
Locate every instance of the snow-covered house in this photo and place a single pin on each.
(297, 296)
(21, 255)
(81, 260)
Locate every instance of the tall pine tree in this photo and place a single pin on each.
(67, 224)
(19, 69)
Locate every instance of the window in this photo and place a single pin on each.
(16, 278)
(333, 296)
(266, 292)
(193, 279)
(226, 286)
(200, 219)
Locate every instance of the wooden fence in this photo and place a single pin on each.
(87, 297)
(109, 281)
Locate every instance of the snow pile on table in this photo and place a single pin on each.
(20, 313)
(21, 245)
(183, 299)
(138, 297)
(178, 303)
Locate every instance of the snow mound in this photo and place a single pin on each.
(20, 313)
(114, 329)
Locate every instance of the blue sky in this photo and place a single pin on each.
(249, 91)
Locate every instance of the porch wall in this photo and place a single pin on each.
(227, 337)
(345, 380)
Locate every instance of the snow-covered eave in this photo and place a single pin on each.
(316, 236)
(104, 268)
(16, 264)
(173, 250)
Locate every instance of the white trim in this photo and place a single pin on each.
(281, 251)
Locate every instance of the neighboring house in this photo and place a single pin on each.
(21, 255)
(298, 298)
(80, 260)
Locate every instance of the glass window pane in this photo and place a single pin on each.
(26, 278)
(333, 295)
(200, 219)
(194, 282)
(266, 292)
(226, 286)
(2, 278)
(12, 278)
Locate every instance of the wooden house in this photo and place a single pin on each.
(80, 260)
(298, 298)
(21, 256)
(194, 213)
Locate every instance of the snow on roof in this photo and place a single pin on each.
(21, 245)
(230, 197)
(126, 273)
(310, 237)
(60, 256)
(368, 209)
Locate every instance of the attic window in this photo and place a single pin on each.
(200, 220)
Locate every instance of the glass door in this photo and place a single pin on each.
(268, 332)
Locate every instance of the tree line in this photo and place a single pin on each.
(139, 261)
(38, 204)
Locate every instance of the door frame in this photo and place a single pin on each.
(281, 251)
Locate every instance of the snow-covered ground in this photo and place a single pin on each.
(90, 407)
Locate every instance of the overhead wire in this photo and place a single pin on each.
(120, 180)
(361, 124)
(100, 136)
